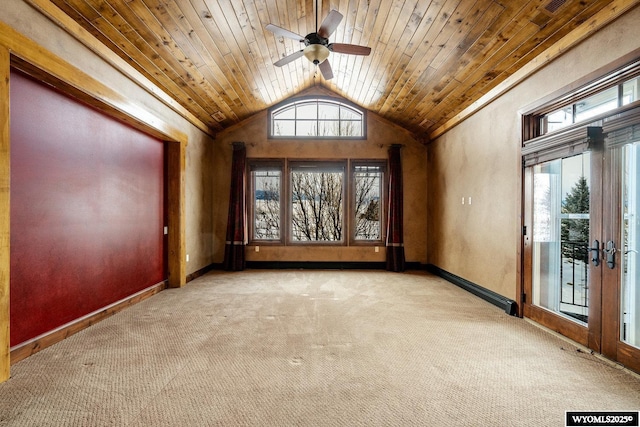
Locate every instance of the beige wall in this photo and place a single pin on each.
(199, 181)
(199, 202)
(253, 132)
(480, 158)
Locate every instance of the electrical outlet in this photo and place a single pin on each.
(187, 257)
(377, 249)
(257, 248)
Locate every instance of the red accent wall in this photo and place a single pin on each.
(87, 206)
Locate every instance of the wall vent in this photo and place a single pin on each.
(554, 5)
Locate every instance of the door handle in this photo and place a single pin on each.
(610, 250)
(595, 252)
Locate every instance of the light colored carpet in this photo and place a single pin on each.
(312, 348)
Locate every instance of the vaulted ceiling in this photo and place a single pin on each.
(430, 59)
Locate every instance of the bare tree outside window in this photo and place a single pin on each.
(367, 202)
(317, 195)
(317, 190)
(317, 205)
(266, 204)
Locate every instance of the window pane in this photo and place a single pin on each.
(351, 128)
(307, 128)
(307, 111)
(328, 111)
(368, 202)
(560, 118)
(630, 241)
(349, 114)
(284, 128)
(316, 205)
(561, 236)
(317, 118)
(630, 91)
(286, 113)
(597, 104)
(329, 128)
(266, 204)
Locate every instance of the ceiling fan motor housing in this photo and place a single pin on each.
(315, 38)
(316, 48)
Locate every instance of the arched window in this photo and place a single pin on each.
(317, 118)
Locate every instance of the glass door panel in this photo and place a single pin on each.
(561, 220)
(630, 259)
(582, 257)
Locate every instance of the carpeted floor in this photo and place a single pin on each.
(309, 348)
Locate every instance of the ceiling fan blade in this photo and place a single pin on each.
(279, 31)
(289, 58)
(352, 49)
(330, 24)
(325, 69)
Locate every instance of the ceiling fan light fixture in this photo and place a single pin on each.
(316, 53)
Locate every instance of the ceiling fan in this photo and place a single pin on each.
(317, 46)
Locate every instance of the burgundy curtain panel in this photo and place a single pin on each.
(395, 241)
(234, 258)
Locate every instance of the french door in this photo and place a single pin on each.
(582, 242)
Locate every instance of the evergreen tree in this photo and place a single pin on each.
(576, 231)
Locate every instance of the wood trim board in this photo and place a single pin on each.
(176, 154)
(5, 178)
(28, 348)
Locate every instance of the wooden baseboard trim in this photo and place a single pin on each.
(202, 271)
(28, 348)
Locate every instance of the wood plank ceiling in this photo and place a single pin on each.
(430, 58)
